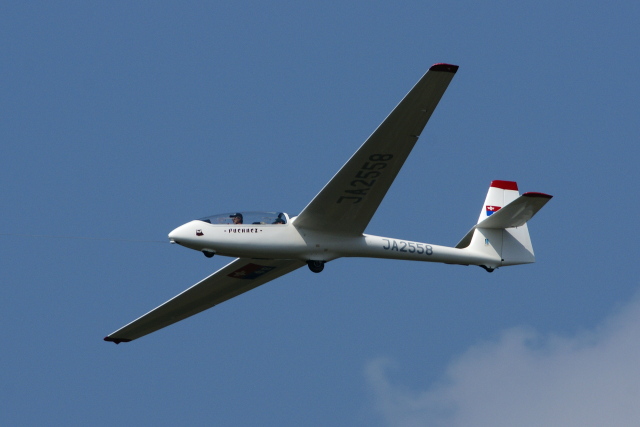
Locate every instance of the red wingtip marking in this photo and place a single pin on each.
(444, 67)
(534, 194)
(505, 185)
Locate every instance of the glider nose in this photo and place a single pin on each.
(173, 236)
(178, 235)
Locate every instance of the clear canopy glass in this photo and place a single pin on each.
(236, 218)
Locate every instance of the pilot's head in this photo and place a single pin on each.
(236, 218)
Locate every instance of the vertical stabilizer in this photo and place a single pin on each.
(500, 194)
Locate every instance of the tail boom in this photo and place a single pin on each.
(370, 246)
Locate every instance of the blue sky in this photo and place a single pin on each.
(123, 120)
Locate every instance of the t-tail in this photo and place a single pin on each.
(501, 231)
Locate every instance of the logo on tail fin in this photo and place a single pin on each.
(492, 209)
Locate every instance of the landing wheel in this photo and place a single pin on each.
(208, 254)
(315, 266)
(489, 269)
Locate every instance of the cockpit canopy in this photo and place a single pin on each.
(236, 218)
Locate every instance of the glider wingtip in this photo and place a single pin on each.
(534, 194)
(444, 67)
(116, 340)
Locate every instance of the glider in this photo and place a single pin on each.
(268, 245)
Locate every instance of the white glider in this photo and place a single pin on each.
(271, 244)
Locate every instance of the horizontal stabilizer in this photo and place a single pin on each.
(515, 214)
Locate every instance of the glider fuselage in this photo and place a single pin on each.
(286, 241)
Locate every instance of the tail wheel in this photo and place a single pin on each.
(315, 266)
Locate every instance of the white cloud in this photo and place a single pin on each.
(525, 379)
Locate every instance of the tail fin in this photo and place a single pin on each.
(501, 231)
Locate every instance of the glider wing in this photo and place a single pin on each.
(237, 277)
(346, 204)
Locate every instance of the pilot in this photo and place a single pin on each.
(280, 220)
(236, 218)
